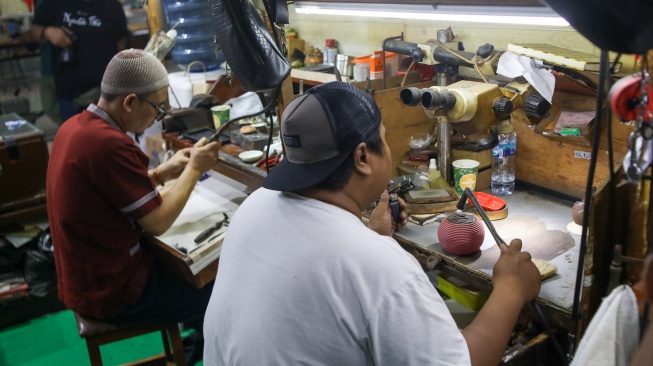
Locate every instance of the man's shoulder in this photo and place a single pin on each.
(89, 134)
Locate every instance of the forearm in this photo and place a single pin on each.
(157, 175)
(36, 33)
(487, 336)
(174, 200)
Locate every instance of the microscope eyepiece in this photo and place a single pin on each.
(410, 96)
(432, 99)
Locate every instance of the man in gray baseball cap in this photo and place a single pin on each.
(303, 280)
(101, 199)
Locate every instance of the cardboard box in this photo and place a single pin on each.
(484, 157)
(484, 178)
(296, 43)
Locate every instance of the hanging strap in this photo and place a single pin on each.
(277, 11)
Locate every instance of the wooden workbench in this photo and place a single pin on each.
(542, 161)
(211, 197)
(540, 222)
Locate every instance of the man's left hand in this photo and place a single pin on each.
(381, 217)
(172, 168)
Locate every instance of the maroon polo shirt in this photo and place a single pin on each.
(97, 186)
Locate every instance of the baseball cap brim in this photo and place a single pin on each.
(291, 177)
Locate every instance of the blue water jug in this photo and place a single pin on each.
(194, 33)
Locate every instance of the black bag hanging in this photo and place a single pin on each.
(247, 45)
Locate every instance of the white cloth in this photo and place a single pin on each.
(304, 282)
(245, 104)
(512, 65)
(612, 336)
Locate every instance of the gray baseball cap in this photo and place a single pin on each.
(320, 129)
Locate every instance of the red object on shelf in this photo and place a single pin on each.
(488, 202)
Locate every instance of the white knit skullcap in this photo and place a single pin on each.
(134, 71)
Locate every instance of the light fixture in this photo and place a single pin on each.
(522, 15)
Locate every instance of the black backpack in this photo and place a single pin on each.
(250, 51)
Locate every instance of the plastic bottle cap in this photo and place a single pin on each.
(330, 42)
(433, 164)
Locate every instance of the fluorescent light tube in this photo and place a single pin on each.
(535, 15)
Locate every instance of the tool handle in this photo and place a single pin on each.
(206, 233)
(486, 220)
(396, 211)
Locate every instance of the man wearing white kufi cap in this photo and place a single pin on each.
(101, 199)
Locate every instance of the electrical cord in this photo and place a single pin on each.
(222, 128)
(549, 331)
(474, 61)
(270, 136)
(611, 185)
(612, 202)
(575, 314)
(403, 81)
(267, 151)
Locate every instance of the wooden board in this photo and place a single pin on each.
(392, 82)
(177, 263)
(212, 198)
(483, 157)
(561, 166)
(155, 18)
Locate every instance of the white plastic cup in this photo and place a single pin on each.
(361, 71)
(465, 172)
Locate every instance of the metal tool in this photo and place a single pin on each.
(616, 267)
(405, 186)
(467, 193)
(207, 233)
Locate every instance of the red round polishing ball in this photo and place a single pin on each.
(461, 233)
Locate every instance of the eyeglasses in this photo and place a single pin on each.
(160, 109)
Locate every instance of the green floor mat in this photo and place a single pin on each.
(53, 340)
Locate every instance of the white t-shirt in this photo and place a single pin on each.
(303, 282)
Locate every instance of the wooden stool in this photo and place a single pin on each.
(98, 333)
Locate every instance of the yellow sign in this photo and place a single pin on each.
(468, 180)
